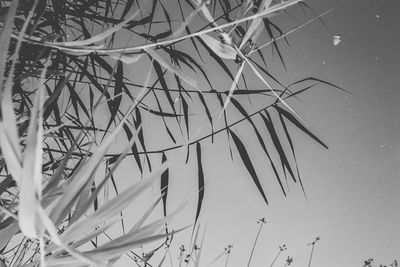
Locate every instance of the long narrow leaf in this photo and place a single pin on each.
(247, 163)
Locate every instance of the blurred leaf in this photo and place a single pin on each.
(222, 50)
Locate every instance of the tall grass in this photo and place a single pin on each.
(63, 63)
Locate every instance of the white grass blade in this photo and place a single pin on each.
(83, 206)
(52, 230)
(84, 175)
(222, 50)
(232, 89)
(255, 23)
(10, 154)
(104, 254)
(94, 234)
(31, 180)
(111, 208)
(126, 58)
(146, 215)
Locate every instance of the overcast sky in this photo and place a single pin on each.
(353, 187)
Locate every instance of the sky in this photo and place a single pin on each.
(352, 188)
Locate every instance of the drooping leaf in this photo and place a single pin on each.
(164, 185)
(260, 140)
(277, 144)
(298, 124)
(247, 163)
(200, 183)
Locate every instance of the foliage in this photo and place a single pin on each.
(66, 67)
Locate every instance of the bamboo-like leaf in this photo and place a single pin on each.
(164, 185)
(101, 36)
(260, 140)
(119, 76)
(78, 184)
(247, 163)
(217, 58)
(299, 125)
(51, 102)
(200, 186)
(207, 110)
(277, 143)
(171, 68)
(134, 149)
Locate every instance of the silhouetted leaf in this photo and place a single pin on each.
(298, 124)
(277, 143)
(200, 177)
(247, 163)
(164, 185)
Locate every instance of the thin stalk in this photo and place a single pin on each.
(281, 248)
(227, 259)
(261, 221)
(312, 251)
(276, 257)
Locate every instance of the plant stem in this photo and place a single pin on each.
(312, 251)
(276, 257)
(262, 221)
(227, 259)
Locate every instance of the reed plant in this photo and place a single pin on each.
(68, 95)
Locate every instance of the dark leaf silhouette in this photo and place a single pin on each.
(247, 163)
(200, 184)
(164, 185)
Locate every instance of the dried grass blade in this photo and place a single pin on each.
(232, 89)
